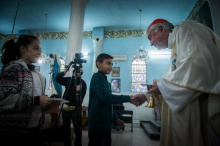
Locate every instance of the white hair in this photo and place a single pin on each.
(167, 26)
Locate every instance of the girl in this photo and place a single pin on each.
(21, 91)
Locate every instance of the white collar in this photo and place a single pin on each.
(172, 38)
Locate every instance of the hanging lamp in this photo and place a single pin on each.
(141, 53)
(44, 58)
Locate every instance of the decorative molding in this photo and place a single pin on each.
(59, 35)
(4, 38)
(124, 33)
(86, 34)
(52, 35)
(194, 12)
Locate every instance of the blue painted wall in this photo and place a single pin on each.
(51, 46)
(155, 69)
(59, 47)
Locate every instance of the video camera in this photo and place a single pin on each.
(78, 60)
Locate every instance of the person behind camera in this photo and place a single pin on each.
(69, 112)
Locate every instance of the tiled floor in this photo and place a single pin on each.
(124, 138)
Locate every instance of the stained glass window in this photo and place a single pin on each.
(138, 76)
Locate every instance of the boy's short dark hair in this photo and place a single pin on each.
(102, 57)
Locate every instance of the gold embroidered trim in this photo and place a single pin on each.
(188, 87)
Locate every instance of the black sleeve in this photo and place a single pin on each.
(61, 80)
(84, 87)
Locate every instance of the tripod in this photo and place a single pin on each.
(73, 93)
(71, 112)
(78, 100)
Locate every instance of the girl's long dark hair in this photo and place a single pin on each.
(11, 48)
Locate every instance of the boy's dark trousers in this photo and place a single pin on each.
(100, 138)
(69, 116)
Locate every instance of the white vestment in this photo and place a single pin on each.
(186, 120)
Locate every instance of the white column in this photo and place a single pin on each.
(75, 34)
(215, 11)
(98, 43)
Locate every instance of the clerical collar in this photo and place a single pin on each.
(103, 74)
(31, 67)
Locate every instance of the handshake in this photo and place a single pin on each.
(138, 99)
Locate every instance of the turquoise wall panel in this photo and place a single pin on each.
(156, 67)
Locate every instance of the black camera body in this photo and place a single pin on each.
(78, 58)
(77, 61)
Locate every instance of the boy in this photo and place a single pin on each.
(100, 104)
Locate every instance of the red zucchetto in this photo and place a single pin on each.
(158, 21)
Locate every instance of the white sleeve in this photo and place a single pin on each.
(147, 96)
(69, 73)
(175, 96)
